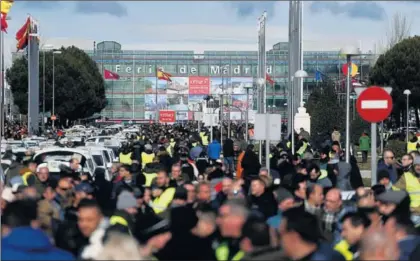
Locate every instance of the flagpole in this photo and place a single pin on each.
(133, 86)
(2, 84)
(156, 93)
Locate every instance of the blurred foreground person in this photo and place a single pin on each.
(23, 240)
(120, 247)
(378, 245)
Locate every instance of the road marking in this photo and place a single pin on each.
(375, 104)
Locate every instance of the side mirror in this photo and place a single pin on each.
(109, 165)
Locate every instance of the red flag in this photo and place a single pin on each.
(164, 75)
(108, 75)
(269, 79)
(22, 35)
(4, 24)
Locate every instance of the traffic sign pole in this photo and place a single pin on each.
(374, 104)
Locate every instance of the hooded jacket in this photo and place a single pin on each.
(343, 177)
(27, 243)
(213, 150)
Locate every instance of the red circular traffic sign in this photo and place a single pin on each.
(374, 104)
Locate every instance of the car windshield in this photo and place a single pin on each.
(98, 160)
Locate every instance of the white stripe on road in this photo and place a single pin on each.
(375, 104)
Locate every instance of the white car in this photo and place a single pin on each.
(55, 156)
(101, 157)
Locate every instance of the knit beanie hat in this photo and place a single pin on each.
(126, 200)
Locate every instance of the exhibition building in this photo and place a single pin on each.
(137, 93)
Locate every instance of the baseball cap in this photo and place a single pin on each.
(391, 196)
(84, 187)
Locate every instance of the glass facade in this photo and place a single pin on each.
(138, 93)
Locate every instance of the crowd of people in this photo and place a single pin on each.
(178, 195)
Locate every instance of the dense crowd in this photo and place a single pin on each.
(178, 195)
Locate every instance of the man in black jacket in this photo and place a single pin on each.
(228, 154)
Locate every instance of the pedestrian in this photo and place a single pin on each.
(364, 146)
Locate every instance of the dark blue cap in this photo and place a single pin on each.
(84, 187)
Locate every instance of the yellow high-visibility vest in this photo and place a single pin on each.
(288, 144)
(146, 158)
(117, 220)
(411, 146)
(302, 148)
(126, 158)
(324, 174)
(222, 253)
(25, 177)
(149, 178)
(412, 186)
(342, 247)
(161, 203)
(205, 140)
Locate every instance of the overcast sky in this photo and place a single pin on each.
(198, 26)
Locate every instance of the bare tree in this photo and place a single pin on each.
(398, 30)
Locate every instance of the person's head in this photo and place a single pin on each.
(49, 193)
(83, 190)
(406, 160)
(257, 187)
(263, 172)
(389, 157)
(383, 178)
(19, 213)
(227, 185)
(32, 166)
(298, 228)
(124, 171)
(127, 202)
(191, 194)
(299, 185)
(75, 164)
(315, 195)
(232, 216)
(354, 225)
(378, 245)
(255, 234)
(203, 192)
(115, 167)
(176, 171)
(64, 187)
(43, 174)
(314, 172)
(89, 216)
(162, 179)
(333, 200)
(416, 165)
(206, 224)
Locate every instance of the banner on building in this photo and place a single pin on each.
(166, 116)
(199, 85)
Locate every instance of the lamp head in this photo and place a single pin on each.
(350, 50)
(301, 74)
(407, 92)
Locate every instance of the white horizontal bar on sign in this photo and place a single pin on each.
(375, 104)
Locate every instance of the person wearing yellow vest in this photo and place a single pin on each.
(410, 181)
(319, 176)
(412, 144)
(147, 156)
(234, 217)
(354, 225)
(126, 156)
(302, 145)
(150, 173)
(162, 201)
(123, 220)
(204, 138)
(28, 174)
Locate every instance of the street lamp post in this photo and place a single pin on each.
(53, 87)
(44, 48)
(407, 92)
(349, 51)
(247, 87)
(300, 74)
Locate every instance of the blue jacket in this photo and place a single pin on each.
(27, 243)
(213, 150)
(393, 175)
(407, 246)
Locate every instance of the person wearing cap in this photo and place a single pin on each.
(147, 155)
(28, 174)
(410, 181)
(395, 209)
(123, 220)
(82, 191)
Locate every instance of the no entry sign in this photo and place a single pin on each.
(374, 104)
